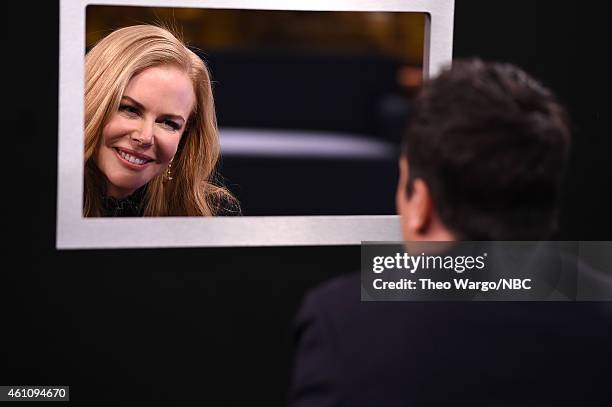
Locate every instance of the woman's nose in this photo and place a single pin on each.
(144, 135)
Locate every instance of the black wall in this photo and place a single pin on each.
(196, 325)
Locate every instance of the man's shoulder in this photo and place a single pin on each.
(337, 305)
(339, 297)
(337, 291)
(339, 301)
(369, 350)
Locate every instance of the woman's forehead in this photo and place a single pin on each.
(163, 87)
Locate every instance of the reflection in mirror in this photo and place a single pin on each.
(310, 104)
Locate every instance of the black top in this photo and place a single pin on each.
(353, 353)
(124, 207)
(133, 206)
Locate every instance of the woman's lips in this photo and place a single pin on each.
(131, 159)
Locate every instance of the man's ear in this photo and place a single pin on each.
(416, 209)
(421, 207)
(400, 193)
(401, 196)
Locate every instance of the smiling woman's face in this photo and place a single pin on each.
(142, 137)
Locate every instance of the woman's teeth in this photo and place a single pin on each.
(131, 158)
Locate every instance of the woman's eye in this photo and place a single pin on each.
(131, 110)
(171, 124)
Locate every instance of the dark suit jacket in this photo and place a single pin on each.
(353, 353)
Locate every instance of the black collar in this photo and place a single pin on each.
(124, 207)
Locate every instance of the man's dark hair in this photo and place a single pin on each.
(492, 144)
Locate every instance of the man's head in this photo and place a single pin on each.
(483, 157)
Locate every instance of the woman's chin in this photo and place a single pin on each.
(123, 189)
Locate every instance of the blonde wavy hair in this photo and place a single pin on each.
(109, 66)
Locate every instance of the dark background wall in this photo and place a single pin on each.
(180, 326)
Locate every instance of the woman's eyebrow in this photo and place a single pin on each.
(141, 107)
(134, 101)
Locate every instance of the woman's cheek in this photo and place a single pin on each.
(168, 147)
(115, 128)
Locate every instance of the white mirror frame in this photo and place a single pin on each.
(76, 232)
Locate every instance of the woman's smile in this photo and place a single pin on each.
(131, 159)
